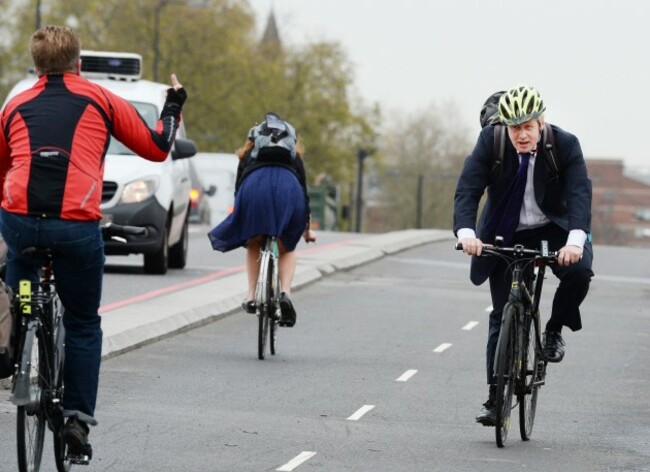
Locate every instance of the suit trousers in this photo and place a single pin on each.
(572, 290)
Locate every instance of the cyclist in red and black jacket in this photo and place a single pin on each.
(53, 140)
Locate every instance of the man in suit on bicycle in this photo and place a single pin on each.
(528, 200)
(53, 140)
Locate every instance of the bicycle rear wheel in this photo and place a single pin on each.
(263, 301)
(505, 370)
(530, 378)
(31, 418)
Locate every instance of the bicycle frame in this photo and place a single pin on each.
(38, 386)
(41, 321)
(519, 364)
(526, 289)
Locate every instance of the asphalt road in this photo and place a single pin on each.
(378, 375)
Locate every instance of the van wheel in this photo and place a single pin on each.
(178, 252)
(156, 262)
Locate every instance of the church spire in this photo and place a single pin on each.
(271, 36)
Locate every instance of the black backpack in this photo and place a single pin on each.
(490, 117)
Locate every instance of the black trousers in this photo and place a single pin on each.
(573, 288)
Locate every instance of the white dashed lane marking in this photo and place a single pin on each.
(470, 325)
(406, 375)
(360, 412)
(296, 461)
(443, 347)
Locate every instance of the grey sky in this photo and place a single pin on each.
(588, 58)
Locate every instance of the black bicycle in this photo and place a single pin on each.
(38, 380)
(267, 297)
(520, 364)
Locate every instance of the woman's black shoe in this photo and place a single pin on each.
(249, 306)
(288, 313)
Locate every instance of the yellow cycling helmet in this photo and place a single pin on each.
(520, 104)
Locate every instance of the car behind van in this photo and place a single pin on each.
(220, 170)
(138, 192)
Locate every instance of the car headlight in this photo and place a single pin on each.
(139, 190)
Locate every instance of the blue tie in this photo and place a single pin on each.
(505, 219)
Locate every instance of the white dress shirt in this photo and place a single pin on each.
(531, 215)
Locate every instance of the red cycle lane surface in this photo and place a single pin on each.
(211, 277)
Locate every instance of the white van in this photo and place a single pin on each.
(136, 191)
(220, 170)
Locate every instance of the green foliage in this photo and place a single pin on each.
(430, 145)
(231, 78)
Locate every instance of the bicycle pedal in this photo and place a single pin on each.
(78, 459)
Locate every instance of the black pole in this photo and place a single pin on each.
(362, 154)
(156, 38)
(418, 203)
(38, 14)
(350, 206)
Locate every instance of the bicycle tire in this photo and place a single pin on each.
(262, 299)
(505, 370)
(274, 282)
(529, 378)
(31, 417)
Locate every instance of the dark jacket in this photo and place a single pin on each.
(565, 198)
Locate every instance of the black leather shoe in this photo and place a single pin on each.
(488, 414)
(553, 346)
(288, 312)
(75, 435)
(249, 306)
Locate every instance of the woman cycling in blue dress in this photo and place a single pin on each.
(270, 199)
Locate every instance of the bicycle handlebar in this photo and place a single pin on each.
(516, 251)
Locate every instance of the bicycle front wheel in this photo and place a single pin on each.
(530, 378)
(505, 370)
(30, 418)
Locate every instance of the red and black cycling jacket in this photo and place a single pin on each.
(54, 138)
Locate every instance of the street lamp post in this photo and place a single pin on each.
(38, 14)
(156, 37)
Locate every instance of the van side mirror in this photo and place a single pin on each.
(183, 148)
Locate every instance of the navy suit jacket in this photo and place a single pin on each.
(564, 199)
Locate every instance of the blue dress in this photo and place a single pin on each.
(270, 201)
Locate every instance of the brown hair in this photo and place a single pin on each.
(245, 150)
(55, 49)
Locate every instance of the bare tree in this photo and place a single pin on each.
(422, 155)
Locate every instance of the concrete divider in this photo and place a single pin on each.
(146, 321)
